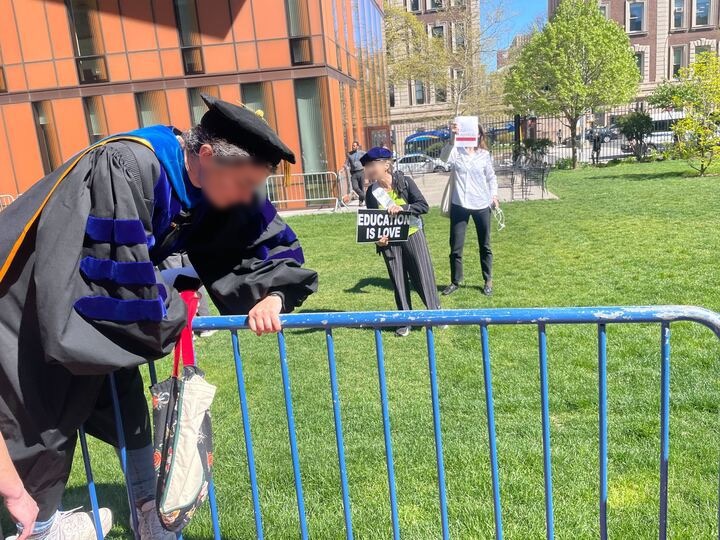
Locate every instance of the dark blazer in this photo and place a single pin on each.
(406, 188)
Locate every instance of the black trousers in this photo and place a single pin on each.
(357, 179)
(459, 218)
(410, 263)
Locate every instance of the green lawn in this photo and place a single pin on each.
(631, 234)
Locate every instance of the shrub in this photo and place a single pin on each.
(636, 126)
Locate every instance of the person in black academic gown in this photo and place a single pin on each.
(80, 295)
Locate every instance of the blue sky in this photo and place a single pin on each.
(520, 13)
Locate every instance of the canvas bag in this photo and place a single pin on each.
(447, 196)
(183, 454)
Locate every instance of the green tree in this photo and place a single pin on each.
(579, 62)
(635, 127)
(697, 93)
(413, 55)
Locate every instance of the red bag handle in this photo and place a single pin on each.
(184, 348)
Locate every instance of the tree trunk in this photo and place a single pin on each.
(573, 139)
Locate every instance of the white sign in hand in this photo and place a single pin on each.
(468, 131)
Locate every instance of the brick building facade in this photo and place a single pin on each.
(74, 71)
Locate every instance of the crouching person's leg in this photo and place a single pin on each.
(142, 479)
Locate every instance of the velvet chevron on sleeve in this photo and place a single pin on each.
(245, 254)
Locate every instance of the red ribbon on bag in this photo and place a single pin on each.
(184, 349)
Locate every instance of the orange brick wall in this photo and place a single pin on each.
(243, 41)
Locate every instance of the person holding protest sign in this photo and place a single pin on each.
(474, 194)
(407, 262)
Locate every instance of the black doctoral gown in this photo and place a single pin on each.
(80, 296)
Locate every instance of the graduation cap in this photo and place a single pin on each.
(242, 127)
(376, 154)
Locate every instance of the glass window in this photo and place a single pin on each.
(678, 61)
(392, 95)
(259, 97)
(419, 93)
(637, 16)
(311, 124)
(47, 136)
(414, 5)
(435, 4)
(702, 12)
(152, 108)
(604, 10)
(3, 85)
(300, 51)
(87, 41)
(441, 94)
(701, 49)
(95, 118)
(640, 61)
(438, 32)
(678, 13)
(298, 17)
(186, 15)
(197, 105)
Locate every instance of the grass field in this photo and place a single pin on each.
(631, 234)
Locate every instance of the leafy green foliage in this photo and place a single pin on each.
(697, 93)
(579, 62)
(635, 127)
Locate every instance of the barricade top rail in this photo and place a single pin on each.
(495, 316)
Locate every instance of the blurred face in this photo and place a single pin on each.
(375, 170)
(355, 146)
(227, 184)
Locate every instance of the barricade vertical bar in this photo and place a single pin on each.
(603, 427)
(437, 428)
(386, 433)
(547, 453)
(91, 485)
(339, 433)
(214, 515)
(247, 435)
(291, 431)
(123, 451)
(664, 425)
(489, 405)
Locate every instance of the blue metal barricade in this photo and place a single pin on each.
(483, 318)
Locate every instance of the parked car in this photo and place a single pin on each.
(608, 133)
(421, 164)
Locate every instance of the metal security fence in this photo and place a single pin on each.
(540, 318)
(511, 136)
(5, 201)
(305, 191)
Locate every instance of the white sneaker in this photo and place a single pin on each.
(206, 333)
(149, 524)
(74, 525)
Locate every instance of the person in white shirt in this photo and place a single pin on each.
(474, 195)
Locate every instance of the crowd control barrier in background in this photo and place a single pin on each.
(540, 318)
(307, 191)
(5, 201)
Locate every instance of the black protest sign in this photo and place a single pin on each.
(372, 225)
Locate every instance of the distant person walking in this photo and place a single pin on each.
(474, 195)
(407, 262)
(597, 142)
(357, 171)
(559, 136)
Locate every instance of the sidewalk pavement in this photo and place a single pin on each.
(432, 186)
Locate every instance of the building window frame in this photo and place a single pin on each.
(91, 68)
(391, 94)
(192, 53)
(162, 101)
(675, 10)
(3, 81)
(710, 15)
(97, 103)
(414, 6)
(701, 46)
(673, 72)
(628, 20)
(301, 52)
(422, 87)
(431, 6)
(604, 9)
(47, 136)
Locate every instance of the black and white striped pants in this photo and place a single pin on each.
(410, 263)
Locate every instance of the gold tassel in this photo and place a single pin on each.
(286, 172)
